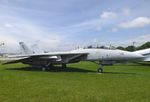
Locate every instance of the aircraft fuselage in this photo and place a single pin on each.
(109, 55)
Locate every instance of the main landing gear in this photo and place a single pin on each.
(47, 67)
(44, 68)
(64, 66)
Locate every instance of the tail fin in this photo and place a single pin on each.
(36, 49)
(145, 52)
(24, 49)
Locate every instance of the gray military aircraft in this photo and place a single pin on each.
(97, 55)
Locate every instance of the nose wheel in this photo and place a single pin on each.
(44, 68)
(100, 70)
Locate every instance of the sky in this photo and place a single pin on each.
(65, 24)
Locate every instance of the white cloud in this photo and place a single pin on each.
(108, 15)
(135, 23)
(14, 29)
(138, 40)
(114, 29)
(10, 43)
(8, 25)
(126, 11)
(94, 24)
(97, 23)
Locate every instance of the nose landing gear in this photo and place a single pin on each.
(100, 70)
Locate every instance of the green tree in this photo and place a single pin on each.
(121, 48)
(130, 48)
(144, 46)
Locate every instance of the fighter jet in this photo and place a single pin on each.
(100, 56)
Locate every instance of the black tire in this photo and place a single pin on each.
(64, 66)
(100, 70)
(43, 68)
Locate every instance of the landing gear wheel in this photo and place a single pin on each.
(100, 70)
(43, 68)
(64, 66)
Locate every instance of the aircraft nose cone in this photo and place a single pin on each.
(138, 56)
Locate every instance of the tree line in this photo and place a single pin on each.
(133, 48)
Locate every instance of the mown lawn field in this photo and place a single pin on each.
(79, 83)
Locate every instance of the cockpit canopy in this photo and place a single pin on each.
(100, 47)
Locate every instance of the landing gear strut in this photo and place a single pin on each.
(100, 69)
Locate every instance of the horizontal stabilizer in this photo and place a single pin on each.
(12, 62)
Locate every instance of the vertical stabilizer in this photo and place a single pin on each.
(36, 49)
(25, 49)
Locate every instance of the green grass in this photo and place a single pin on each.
(80, 83)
